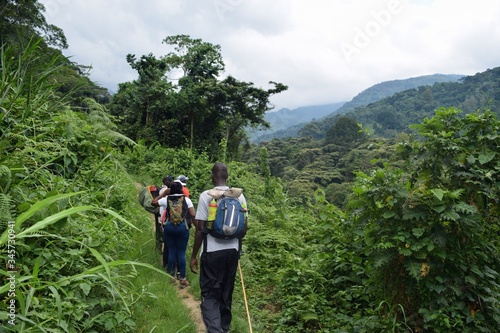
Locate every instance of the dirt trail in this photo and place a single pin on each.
(185, 294)
(194, 307)
(189, 301)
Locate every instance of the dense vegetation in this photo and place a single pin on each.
(198, 108)
(351, 233)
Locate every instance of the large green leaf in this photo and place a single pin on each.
(35, 208)
(438, 193)
(41, 205)
(53, 218)
(485, 158)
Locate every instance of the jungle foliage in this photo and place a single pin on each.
(411, 246)
(64, 223)
(180, 100)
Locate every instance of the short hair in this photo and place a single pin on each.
(219, 170)
(168, 179)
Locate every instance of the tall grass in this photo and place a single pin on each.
(70, 223)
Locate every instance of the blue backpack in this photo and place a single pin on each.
(229, 220)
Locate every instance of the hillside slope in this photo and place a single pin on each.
(389, 88)
(285, 120)
(375, 93)
(396, 113)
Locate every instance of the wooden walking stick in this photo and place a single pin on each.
(245, 297)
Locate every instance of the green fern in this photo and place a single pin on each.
(5, 178)
(5, 211)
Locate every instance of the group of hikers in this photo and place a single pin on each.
(218, 236)
(174, 234)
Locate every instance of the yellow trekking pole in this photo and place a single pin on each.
(245, 297)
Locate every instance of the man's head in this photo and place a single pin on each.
(167, 180)
(219, 174)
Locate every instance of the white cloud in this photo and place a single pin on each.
(300, 43)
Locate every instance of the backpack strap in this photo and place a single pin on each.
(233, 192)
(216, 194)
(185, 213)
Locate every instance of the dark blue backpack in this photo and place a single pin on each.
(229, 220)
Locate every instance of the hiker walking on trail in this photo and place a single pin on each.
(218, 260)
(158, 223)
(166, 183)
(175, 230)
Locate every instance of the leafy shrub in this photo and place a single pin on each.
(426, 231)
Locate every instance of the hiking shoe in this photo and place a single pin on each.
(183, 283)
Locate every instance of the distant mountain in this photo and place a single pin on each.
(389, 88)
(306, 120)
(394, 114)
(285, 119)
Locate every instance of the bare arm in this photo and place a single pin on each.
(198, 239)
(191, 218)
(163, 195)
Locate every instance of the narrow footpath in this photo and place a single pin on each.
(188, 299)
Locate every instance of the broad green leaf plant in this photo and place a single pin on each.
(430, 231)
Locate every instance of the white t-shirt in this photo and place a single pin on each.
(162, 189)
(215, 244)
(163, 203)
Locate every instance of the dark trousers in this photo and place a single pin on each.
(217, 275)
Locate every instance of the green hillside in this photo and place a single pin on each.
(317, 128)
(355, 232)
(396, 113)
(389, 88)
(287, 123)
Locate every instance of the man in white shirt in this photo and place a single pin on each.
(218, 261)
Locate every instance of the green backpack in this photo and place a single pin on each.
(146, 196)
(176, 209)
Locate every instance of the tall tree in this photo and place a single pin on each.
(23, 26)
(345, 131)
(190, 101)
(197, 65)
(242, 105)
(142, 105)
(21, 20)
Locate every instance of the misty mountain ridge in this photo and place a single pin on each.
(288, 122)
(389, 88)
(292, 120)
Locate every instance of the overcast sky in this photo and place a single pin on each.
(325, 51)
